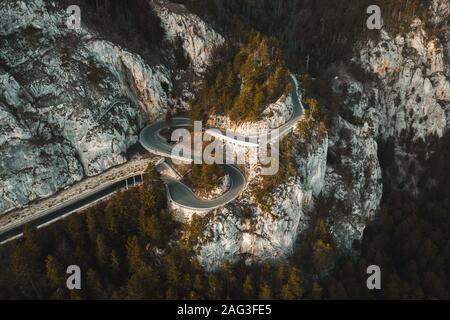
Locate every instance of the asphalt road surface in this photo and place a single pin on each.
(67, 208)
(152, 140)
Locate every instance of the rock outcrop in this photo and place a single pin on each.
(345, 170)
(197, 38)
(244, 230)
(273, 116)
(401, 93)
(71, 105)
(404, 94)
(353, 181)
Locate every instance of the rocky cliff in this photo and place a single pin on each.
(72, 104)
(342, 166)
(404, 95)
(245, 230)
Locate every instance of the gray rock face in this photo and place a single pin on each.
(353, 180)
(70, 106)
(409, 99)
(25, 155)
(266, 235)
(414, 94)
(410, 95)
(197, 38)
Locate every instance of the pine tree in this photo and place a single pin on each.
(293, 289)
(280, 275)
(114, 261)
(198, 285)
(227, 273)
(21, 266)
(53, 271)
(265, 293)
(248, 289)
(316, 291)
(186, 285)
(134, 254)
(212, 287)
(101, 250)
(91, 224)
(152, 193)
(323, 255)
(94, 286)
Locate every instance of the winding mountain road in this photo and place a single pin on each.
(153, 141)
(181, 194)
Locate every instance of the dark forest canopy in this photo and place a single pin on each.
(126, 250)
(324, 30)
